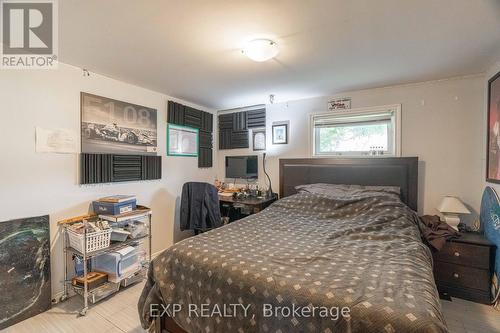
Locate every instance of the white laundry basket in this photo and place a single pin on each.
(95, 240)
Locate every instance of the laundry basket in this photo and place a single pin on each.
(95, 240)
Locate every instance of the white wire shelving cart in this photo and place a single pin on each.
(90, 245)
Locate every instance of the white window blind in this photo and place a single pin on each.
(366, 132)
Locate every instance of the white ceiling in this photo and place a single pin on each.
(191, 49)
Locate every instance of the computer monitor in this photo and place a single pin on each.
(244, 167)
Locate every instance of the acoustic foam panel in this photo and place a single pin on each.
(110, 168)
(187, 116)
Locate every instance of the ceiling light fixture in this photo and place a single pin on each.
(260, 50)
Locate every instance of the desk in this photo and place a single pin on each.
(254, 204)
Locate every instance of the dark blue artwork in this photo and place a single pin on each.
(24, 269)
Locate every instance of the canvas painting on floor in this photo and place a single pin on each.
(493, 153)
(25, 269)
(115, 127)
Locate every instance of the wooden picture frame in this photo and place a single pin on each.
(182, 140)
(493, 131)
(280, 134)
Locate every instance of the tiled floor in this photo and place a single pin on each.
(468, 317)
(119, 314)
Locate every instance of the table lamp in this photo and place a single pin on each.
(450, 207)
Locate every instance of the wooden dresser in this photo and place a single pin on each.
(464, 267)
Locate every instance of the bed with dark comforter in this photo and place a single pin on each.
(362, 251)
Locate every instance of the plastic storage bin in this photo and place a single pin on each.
(137, 229)
(78, 263)
(95, 240)
(118, 264)
(119, 235)
(134, 278)
(112, 208)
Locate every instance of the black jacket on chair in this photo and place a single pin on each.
(200, 207)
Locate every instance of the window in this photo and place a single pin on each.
(360, 132)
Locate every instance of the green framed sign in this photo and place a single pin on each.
(182, 140)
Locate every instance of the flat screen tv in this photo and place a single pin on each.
(244, 167)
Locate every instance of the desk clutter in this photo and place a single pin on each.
(237, 203)
(106, 249)
(248, 191)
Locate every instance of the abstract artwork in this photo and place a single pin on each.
(115, 127)
(25, 269)
(493, 131)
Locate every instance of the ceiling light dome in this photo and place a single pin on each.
(261, 49)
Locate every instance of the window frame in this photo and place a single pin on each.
(396, 133)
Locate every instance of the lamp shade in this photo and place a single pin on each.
(452, 205)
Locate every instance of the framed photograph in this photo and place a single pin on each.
(182, 140)
(259, 139)
(280, 134)
(493, 131)
(114, 127)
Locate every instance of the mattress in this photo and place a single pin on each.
(308, 263)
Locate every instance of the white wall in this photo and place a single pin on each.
(489, 74)
(441, 124)
(34, 184)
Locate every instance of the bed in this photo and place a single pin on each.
(311, 250)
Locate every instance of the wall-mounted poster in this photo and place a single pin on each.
(61, 140)
(182, 140)
(259, 139)
(25, 269)
(115, 127)
(493, 133)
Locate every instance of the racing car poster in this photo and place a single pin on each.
(115, 127)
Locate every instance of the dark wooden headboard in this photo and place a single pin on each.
(382, 171)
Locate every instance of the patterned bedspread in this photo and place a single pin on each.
(308, 263)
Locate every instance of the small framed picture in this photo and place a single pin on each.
(280, 134)
(182, 140)
(259, 139)
(339, 104)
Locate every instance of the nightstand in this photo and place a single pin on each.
(464, 267)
